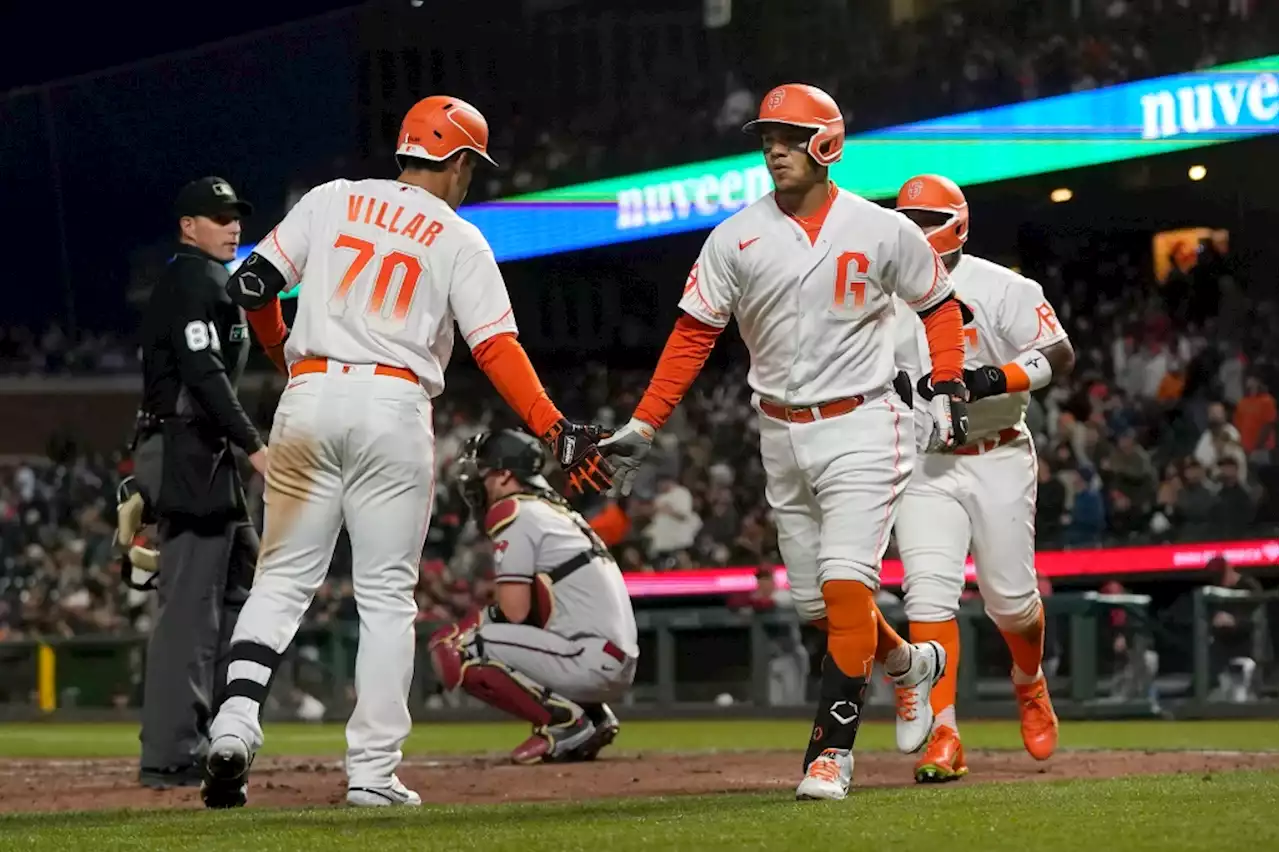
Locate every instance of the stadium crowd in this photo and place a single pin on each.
(964, 56)
(1166, 431)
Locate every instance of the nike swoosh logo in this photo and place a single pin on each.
(743, 244)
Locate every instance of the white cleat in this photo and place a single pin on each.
(911, 694)
(828, 777)
(383, 797)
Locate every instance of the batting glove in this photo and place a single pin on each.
(574, 446)
(625, 450)
(948, 405)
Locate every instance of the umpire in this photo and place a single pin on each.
(194, 344)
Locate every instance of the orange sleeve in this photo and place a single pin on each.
(268, 324)
(504, 361)
(687, 348)
(611, 524)
(945, 330)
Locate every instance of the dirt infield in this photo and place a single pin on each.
(61, 785)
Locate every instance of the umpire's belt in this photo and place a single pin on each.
(810, 413)
(306, 366)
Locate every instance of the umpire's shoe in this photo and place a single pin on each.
(226, 773)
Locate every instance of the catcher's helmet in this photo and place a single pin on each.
(523, 455)
(937, 194)
(438, 127)
(802, 105)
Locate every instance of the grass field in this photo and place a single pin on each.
(1234, 810)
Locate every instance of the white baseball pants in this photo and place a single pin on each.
(834, 486)
(987, 501)
(355, 448)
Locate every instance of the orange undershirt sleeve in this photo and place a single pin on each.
(945, 330)
(687, 348)
(268, 324)
(507, 365)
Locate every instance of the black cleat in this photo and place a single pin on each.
(226, 774)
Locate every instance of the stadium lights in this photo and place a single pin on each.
(1197, 172)
(1060, 195)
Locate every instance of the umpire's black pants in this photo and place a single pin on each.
(205, 571)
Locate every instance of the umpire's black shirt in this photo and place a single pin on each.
(195, 343)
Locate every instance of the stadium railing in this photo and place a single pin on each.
(1100, 657)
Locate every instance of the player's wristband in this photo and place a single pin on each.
(1028, 372)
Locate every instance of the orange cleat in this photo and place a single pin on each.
(943, 758)
(1039, 722)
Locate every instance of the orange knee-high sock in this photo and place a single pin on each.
(1027, 648)
(946, 634)
(851, 631)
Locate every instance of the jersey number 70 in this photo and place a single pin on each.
(387, 267)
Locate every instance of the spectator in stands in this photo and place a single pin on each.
(1234, 511)
(1051, 506)
(1088, 514)
(1219, 441)
(1194, 510)
(1130, 471)
(674, 525)
(1254, 413)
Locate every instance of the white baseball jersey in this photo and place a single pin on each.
(1010, 316)
(816, 318)
(533, 536)
(386, 268)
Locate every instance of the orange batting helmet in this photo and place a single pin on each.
(438, 127)
(801, 105)
(938, 194)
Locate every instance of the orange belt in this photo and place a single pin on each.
(810, 413)
(321, 365)
(986, 445)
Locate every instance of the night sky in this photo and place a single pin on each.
(257, 114)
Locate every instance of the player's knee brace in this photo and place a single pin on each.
(1014, 614)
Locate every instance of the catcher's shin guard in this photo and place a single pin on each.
(458, 659)
(840, 704)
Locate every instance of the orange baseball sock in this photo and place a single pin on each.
(1027, 648)
(891, 649)
(851, 619)
(946, 634)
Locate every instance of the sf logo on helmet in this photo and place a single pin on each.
(914, 189)
(775, 98)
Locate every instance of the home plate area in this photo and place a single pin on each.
(66, 785)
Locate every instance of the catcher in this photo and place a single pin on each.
(560, 640)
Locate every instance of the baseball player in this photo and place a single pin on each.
(560, 640)
(386, 268)
(809, 272)
(982, 494)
